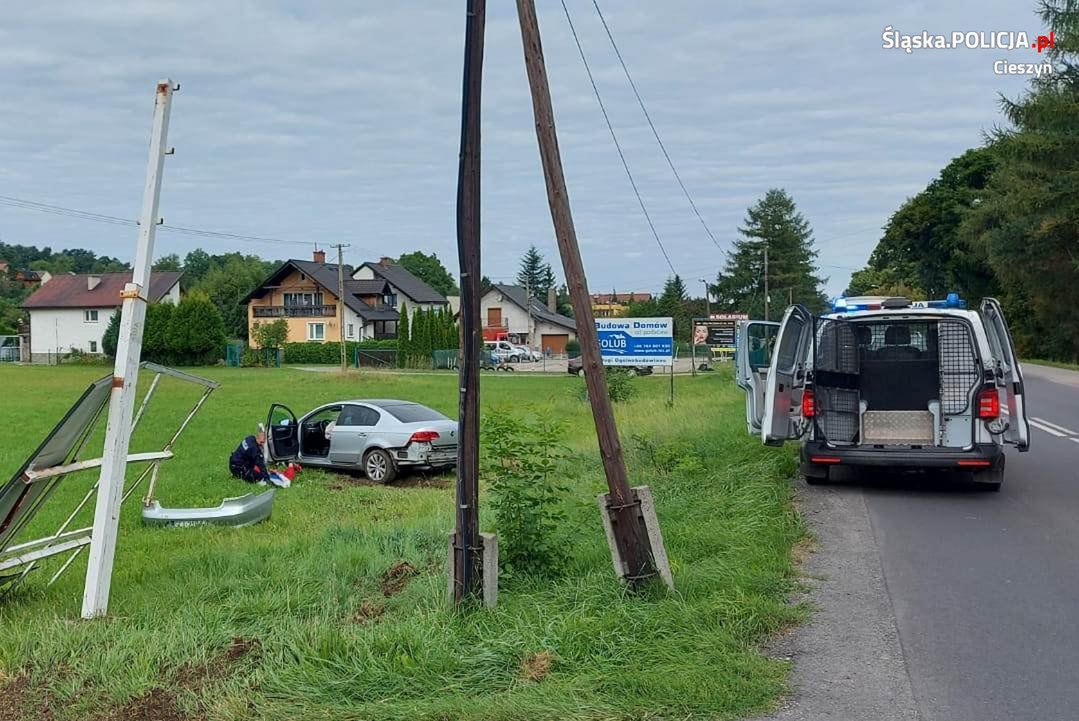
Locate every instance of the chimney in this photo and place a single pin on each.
(552, 300)
(319, 256)
(385, 261)
(92, 281)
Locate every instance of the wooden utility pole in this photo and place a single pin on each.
(467, 544)
(341, 302)
(623, 506)
(125, 374)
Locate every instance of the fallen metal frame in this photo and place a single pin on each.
(38, 483)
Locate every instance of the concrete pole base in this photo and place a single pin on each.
(489, 555)
(646, 515)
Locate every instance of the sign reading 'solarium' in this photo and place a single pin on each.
(636, 341)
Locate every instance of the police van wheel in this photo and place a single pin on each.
(817, 475)
(378, 466)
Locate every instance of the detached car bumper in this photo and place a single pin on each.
(817, 456)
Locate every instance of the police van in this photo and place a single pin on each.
(887, 382)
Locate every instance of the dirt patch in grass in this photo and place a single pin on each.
(397, 577)
(536, 666)
(18, 701)
(802, 550)
(368, 612)
(196, 676)
(157, 704)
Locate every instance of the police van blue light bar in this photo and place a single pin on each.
(849, 305)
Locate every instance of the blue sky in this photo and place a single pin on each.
(329, 122)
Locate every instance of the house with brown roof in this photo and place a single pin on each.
(71, 312)
(305, 294)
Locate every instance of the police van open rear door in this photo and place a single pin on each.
(786, 376)
(752, 356)
(1000, 342)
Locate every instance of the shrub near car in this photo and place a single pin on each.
(887, 382)
(378, 437)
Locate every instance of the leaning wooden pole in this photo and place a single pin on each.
(623, 506)
(467, 544)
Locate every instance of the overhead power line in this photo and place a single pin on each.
(614, 137)
(115, 220)
(648, 117)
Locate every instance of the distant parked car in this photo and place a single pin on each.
(575, 367)
(503, 351)
(378, 437)
(529, 354)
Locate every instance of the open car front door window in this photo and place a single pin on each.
(753, 353)
(282, 433)
(1000, 341)
(786, 373)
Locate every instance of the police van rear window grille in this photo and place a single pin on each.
(958, 366)
(837, 413)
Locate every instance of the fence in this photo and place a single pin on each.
(374, 358)
(10, 349)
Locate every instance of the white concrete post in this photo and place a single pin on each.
(95, 599)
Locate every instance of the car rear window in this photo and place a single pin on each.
(413, 413)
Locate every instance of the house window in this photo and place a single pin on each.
(390, 299)
(93, 346)
(351, 331)
(89, 316)
(316, 331)
(303, 299)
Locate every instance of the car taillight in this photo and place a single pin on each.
(423, 437)
(988, 404)
(809, 403)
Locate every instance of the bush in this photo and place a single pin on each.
(573, 348)
(521, 458)
(270, 335)
(196, 334)
(619, 386)
(329, 353)
(155, 334)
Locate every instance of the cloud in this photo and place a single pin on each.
(340, 121)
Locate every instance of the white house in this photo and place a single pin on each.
(505, 311)
(407, 292)
(71, 312)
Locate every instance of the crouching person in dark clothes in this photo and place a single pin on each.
(247, 461)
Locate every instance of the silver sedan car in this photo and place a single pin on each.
(378, 437)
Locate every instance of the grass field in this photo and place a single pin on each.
(305, 616)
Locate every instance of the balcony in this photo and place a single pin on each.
(295, 311)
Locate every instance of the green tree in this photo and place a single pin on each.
(1028, 224)
(535, 274)
(562, 301)
(430, 270)
(111, 336)
(155, 334)
(672, 302)
(404, 338)
(197, 264)
(775, 224)
(229, 279)
(196, 334)
(169, 262)
(272, 334)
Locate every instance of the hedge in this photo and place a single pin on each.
(331, 352)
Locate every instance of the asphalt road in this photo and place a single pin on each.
(939, 603)
(984, 586)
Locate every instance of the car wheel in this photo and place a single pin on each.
(515, 359)
(580, 372)
(632, 373)
(379, 467)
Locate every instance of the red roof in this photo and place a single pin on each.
(73, 291)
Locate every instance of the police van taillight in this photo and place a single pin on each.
(809, 403)
(988, 404)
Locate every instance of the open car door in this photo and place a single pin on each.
(282, 434)
(786, 374)
(1000, 341)
(752, 355)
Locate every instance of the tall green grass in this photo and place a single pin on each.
(307, 584)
